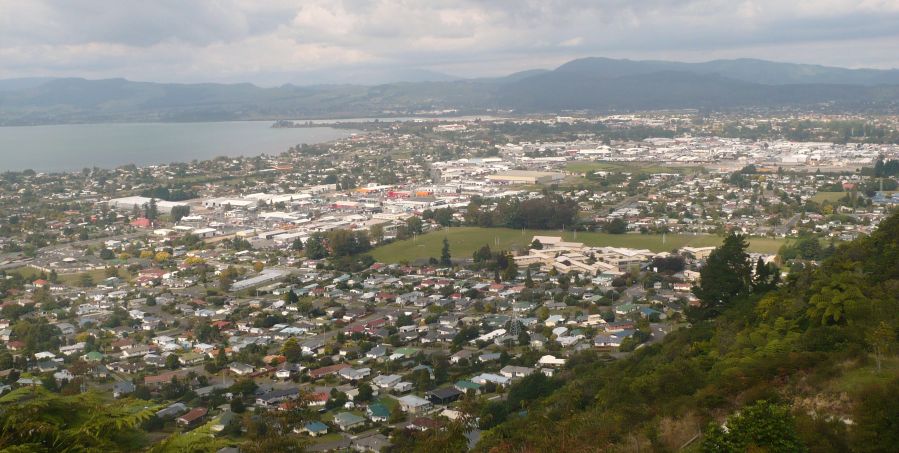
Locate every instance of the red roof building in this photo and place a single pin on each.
(142, 222)
(220, 325)
(193, 417)
(163, 378)
(326, 370)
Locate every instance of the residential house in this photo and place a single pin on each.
(414, 404)
(346, 421)
(444, 395)
(193, 417)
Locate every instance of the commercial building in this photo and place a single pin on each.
(525, 177)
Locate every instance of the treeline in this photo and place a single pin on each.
(167, 194)
(806, 247)
(886, 168)
(500, 262)
(344, 249)
(808, 130)
(546, 213)
(337, 243)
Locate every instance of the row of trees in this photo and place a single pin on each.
(167, 194)
(886, 168)
(337, 243)
(500, 262)
(548, 212)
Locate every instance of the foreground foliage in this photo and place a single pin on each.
(35, 420)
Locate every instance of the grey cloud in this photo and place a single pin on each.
(134, 22)
(268, 41)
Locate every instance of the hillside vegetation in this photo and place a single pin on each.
(804, 366)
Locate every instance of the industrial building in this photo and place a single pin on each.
(525, 177)
(130, 203)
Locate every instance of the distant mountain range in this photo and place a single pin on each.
(590, 84)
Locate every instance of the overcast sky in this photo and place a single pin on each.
(278, 41)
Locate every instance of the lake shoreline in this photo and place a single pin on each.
(71, 147)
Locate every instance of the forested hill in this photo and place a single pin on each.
(807, 364)
(593, 84)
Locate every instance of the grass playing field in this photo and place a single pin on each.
(465, 240)
(98, 275)
(821, 197)
(629, 167)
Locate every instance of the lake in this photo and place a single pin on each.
(71, 147)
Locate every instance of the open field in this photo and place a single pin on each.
(821, 197)
(629, 167)
(465, 240)
(97, 275)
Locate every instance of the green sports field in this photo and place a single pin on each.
(465, 240)
(832, 197)
(29, 273)
(629, 167)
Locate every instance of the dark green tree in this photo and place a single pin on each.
(725, 276)
(315, 247)
(414, 225)
(616, 226)
(760, 427)
(510, 270)
(445, 257)
(766, 277)
(292, 350)
(365, 393)
(171, 362)
(152, 212)
(179, 212)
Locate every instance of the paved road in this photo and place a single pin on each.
(19, 260)
(626, 202)
(789, 224)
(379, 313)
(659, 331)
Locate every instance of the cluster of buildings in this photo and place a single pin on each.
(146, 297)
(392, 343)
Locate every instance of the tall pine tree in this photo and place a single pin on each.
(445, 257)
(726, 275)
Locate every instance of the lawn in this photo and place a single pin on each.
(832, 197)
(327, 438)
(389, 402)
(465, 240)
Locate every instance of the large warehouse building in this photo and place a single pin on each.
(129, 203)
(526, 177)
